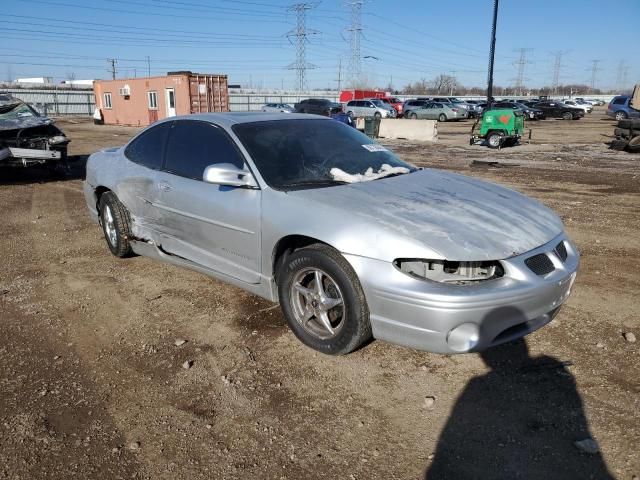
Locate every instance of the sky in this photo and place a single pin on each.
(402, 41)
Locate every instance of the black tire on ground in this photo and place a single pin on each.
(634, 145)
(114, 218)
(413, 116)
(442, 118)
(621, 115)
(622, 132)
(629, 123)
(619, 145)
(354, 327)
(495, 139)
(377, 115)
(567, 115)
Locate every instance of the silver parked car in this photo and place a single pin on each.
(369, 108)
(436, 111)
(349, 239)
(277, 107)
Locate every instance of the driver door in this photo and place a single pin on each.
(212, 225)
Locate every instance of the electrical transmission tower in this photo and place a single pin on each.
(113, 62)
(557, 65)
(594, 72)
(355, 31)
(521, 63)
(622, 74)
(301, 34)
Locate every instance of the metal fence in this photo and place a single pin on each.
(56, 102)
(67, 101)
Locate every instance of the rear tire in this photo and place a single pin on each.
(442, 118)
(621, 115)
(413, 116)
(334, 330)
(114, 219)
(377, 115)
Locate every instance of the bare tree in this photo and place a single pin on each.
(443, 83)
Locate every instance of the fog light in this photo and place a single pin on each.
(464, 337)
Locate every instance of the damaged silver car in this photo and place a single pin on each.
(352, 242)
(27, 138)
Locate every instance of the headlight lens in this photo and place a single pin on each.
(444, 271)
(57, 139)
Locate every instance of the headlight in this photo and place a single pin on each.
(58, 139)
(444, 271)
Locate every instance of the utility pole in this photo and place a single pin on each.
(521, 63)
(492, 54)
(453, 81)
(148, 66)
(594, 72)
(339, 74)
(300, 33)
(113, 62)
(355, 31)
(625, 74)
(556, 71)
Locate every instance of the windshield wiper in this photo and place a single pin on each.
(314, 183)
(392, 174)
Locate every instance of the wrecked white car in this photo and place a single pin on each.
(27, 138)
(352, 241)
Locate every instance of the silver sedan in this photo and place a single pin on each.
(350, 240)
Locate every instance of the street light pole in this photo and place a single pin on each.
(492, 54)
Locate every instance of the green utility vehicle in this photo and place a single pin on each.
(498, 128)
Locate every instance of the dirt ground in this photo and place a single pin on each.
(92, 383)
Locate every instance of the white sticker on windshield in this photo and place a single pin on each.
(374, 147)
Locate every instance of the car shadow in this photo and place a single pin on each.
(518, 421)
(75, 170)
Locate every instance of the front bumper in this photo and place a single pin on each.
(445, 318)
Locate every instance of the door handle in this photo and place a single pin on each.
(165, 187)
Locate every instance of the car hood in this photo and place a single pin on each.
(453, 216)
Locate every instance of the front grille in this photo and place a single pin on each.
(561, 251)
(540, 264)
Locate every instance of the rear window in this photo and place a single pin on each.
(619, 101)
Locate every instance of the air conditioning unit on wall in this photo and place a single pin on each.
(125, 91)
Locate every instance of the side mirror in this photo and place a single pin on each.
(229, 175)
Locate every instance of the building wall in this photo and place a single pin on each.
(134, 109)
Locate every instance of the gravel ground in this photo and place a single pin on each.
(93, 349)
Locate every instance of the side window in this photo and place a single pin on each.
(147, 149)
(153, 100)
(194, 145)
(619, 101)
(107, 101)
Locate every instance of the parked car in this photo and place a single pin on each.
(352, 241)
(436, 111)
(318, 106)
(531, 113)
(619, 108)
(393, 102)
(587, 107)
(415, 102)
(556, 109)
(277, 107)
(369, 108)
(592, 101)
(28, 138)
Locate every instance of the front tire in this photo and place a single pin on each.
(114, 219)
(567, 116)
(494, 139)
(323, 301)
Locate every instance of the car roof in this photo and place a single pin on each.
(233, 118)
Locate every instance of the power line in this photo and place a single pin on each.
(300, 33)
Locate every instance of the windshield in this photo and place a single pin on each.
(378, 103)
(22, 110)
(296, 154)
